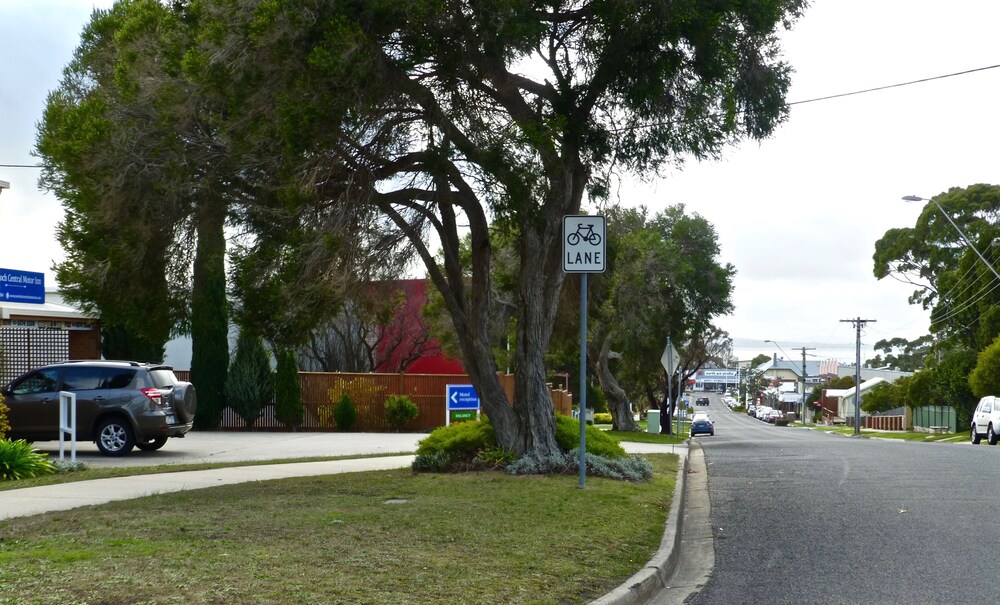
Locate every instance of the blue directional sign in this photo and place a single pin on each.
(22, 286)
(462, 397)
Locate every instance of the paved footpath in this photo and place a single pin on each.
(64, 496)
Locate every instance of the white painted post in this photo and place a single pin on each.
(67, 424)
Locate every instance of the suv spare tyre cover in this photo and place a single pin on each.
(185, 401)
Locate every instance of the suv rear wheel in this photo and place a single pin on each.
(115, 437)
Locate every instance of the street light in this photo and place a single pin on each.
(914, 198)
(779, 348)
(4, 185)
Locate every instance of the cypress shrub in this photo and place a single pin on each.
(210, 320)
(345, 414)
(250, 384)
(288, 391)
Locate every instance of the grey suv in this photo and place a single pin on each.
(119, 404)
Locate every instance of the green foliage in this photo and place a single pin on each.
(985, 377)
(250, 384)
(210, 319)
(4, 423)
(436, 462)
(108, 155)
(628, 468)
(345, 414)
(400, 411)
(933, 255)
(602, 418)
(495, 457)
(884, 397)
(288, 407)
(461, 440)
(598, 443)
(170, 106)
(18, 460)
(946, 383)
(902, 354)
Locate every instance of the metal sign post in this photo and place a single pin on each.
(669, 361)
(584, 251)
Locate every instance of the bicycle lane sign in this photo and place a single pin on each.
(584, 243)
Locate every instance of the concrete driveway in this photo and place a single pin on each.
(226, 446)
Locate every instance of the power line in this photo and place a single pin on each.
(911, 82)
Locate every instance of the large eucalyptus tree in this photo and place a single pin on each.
(448, 116)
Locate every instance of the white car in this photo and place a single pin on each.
(702, 416)
(986, 420)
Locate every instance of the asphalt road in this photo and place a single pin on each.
(800, 516)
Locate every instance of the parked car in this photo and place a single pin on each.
(701, 401)
(119, 404)
(773, 416)
(701, 426)
(762, 412)
(986, 420)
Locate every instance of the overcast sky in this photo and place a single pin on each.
(797, 215)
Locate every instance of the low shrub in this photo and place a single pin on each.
(438, 462)
(473, 446)
(4, 424)
(598, 443)
(628, 468)
(18, 460)
(603, 418)
(400, 411)
(461, 441)
(494, 457)
(345, 414)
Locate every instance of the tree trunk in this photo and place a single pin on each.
(618, 404)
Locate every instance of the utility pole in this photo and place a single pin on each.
(858, 324)
(802, 401)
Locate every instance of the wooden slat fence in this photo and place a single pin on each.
(322, 390)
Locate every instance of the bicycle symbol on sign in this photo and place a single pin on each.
(584, 232)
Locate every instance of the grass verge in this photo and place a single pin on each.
(899, 435)
(388, 537)
(88, 473)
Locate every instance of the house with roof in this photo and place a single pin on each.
(839, 404)
(779, 370)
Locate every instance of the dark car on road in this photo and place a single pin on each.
(701, 401)
(119, 404)
(700, 426)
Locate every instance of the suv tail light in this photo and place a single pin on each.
(154, 395)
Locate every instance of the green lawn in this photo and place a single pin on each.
(903, 435)
(361, 538)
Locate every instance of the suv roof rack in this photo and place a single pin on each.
(131, 363)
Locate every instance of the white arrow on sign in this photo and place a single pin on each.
(454, 397)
